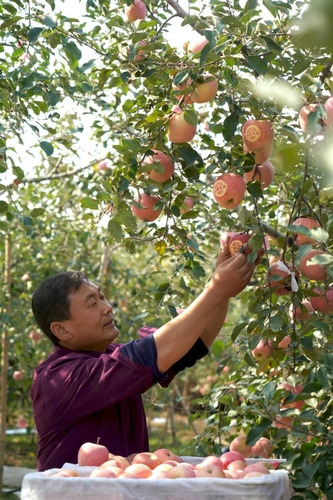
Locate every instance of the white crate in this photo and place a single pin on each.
(40, 486)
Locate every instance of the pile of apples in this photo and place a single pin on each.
(163, 463)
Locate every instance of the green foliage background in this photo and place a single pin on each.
(73, 93)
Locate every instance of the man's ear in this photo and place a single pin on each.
(58, 329)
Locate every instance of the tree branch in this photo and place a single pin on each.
(175, 5)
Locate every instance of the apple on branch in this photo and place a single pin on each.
(257, 135)
(229, 190)
(311, 270)
(322, 301)
(308, 223)
(180, 130)
(137, 10)
(164, 169)
(143, 207)
(263, 173)
(239, 444)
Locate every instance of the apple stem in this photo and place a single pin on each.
(98, 440)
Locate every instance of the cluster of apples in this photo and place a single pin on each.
(312, 108)
(163, 463)
(229, 188)
(159, 166)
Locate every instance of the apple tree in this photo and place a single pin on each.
(89, 106)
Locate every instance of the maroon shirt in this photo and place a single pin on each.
(86, 396)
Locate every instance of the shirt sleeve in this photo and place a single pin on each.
(144, 352)
(197, 351)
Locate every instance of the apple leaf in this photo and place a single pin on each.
(191, 117)
(257, 431)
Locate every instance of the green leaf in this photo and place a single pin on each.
(3, 207)
(90, 203)
(190, 156)
(86, 66)
(191, 117)
(115, 230)
(257, 431)
(34, 34)
(53, 97)
(258, 64)
(72, 51)
(54, 40)
(50, 21)
(10, 21)
(47, 147)
(236, 331)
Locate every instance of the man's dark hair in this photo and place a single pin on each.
(50, 302)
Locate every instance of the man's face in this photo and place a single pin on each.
(91, 326)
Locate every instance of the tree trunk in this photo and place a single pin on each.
(4, 363)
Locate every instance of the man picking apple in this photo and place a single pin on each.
(89, 388)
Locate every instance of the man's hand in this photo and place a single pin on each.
(224, 254)
(232, 274)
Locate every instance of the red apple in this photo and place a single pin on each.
(146, 458)
(92, 454)
(256, 467)
(33, 335)
(281, 281)
(197, 43)
(115, 461)
(309, 223)
(257, 134)
(323, 300)
(304, 114)
(209, 471)
(147, 212)
(239, 444)
(137, 471)
(285, 342)
(262, 448)
(205, 88)
(188, 202)
(104, 473)
(210, 460)
(229, 190)
(165, 454)
(18, 375)
(178, 128)
(315, 272)
(263, 173)
(300, 314)
(224, 237)
(184, 470)
(230, 456)
(103, 167)
(137, 10)
(141, 53)
(263, 350)
(329, 111)
(236, 465)
(165, 161)
(239, 241)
